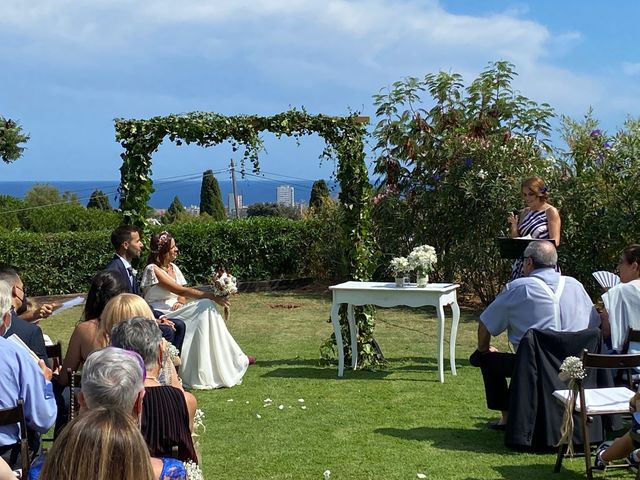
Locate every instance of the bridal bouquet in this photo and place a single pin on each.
(224, 284)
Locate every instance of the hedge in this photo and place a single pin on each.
(252, 249)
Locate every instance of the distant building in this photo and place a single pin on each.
(231, 205)
(193, 210)
(284, 195)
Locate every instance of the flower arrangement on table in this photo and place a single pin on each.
(400, 267)
(224, 284)
(421, 260)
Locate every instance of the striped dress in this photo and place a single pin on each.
(535, 225)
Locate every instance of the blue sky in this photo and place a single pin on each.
(68, 68)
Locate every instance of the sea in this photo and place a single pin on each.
(188, 191)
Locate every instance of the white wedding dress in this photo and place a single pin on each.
(210, 356)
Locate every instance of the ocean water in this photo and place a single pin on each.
(252, 191)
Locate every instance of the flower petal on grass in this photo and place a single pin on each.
(303, 407)
(301, 400)
(230, 400)
(280, 407)
(421, 475)
(258, 415)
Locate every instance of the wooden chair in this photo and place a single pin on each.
(592, 402)
(13, 415)
(630, 376)
(54, 353)
(75, 382)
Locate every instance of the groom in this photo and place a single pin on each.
(128, 245)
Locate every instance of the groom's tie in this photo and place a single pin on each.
(132, 279)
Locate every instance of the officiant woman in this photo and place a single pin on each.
(538, 219)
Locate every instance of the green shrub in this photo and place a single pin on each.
(252, 249)
(10, 212)
(598, 197)
(70, 217)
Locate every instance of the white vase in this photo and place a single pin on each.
(422, 279)
(400, 281)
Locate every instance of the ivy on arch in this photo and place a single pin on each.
(344, 142)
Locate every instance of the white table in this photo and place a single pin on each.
(388, 295)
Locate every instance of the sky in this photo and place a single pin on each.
(68, 68)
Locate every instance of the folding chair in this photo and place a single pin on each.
(54, 353)
(13, 415)
(592, 402)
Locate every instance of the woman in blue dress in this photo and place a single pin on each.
(539, 219)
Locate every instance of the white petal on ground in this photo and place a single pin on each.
(326, 474)
(247, 402)
(421, 475)
(267, 400)
(258, 415)
(301, 400)
(303, 407)
(280, 407)
(230, 400)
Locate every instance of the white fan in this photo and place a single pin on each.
(606, 279)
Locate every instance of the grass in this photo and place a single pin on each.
(389, 424)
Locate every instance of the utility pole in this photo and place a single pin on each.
(233, 185)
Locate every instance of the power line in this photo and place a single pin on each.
(162, 181)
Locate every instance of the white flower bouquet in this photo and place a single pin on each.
(400, 266)
(224, 284)
(422, 258)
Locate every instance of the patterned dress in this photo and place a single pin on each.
(535, 225)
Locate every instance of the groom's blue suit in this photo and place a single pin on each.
(175, 337)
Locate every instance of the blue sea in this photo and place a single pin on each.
(252, 191)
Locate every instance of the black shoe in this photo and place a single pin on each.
(496, 425)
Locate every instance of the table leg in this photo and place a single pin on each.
(455, 309)
(353, 330)
(440, 311)
(335, 320)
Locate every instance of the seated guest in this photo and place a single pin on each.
(622, 302)
(87, 336)
(102, 444)
(166, 416)
(113, 378)
(21, 377)
(542, 299)
(627, 446)
(128, 245)
(125, 306)
(28, 332)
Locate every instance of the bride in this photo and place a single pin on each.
(210, 356)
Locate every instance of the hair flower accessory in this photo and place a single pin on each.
(544, 190)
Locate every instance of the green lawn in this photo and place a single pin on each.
(390, 424)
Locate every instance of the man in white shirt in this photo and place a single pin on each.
(542, 299)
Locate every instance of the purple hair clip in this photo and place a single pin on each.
(544, 190)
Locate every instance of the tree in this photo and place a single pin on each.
(319, 194)
(452, 168)
(11, 137)
(70, 197)
(175, 211)
(99, 200)
(269, 209)
(210, 197)
(43, 194)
